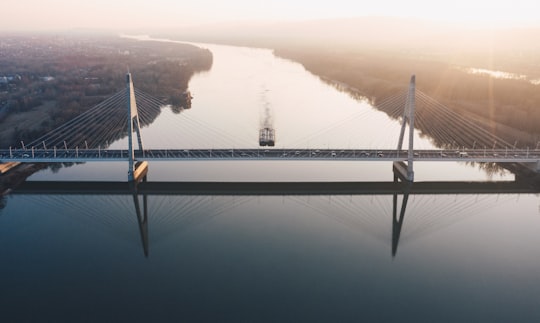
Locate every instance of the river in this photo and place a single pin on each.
(318, 258)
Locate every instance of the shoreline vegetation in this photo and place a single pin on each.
(46, 80)
(376, 56)
(509, 108)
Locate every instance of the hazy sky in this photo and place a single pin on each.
(53, 14)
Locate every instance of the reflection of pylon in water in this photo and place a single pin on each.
(267, 135)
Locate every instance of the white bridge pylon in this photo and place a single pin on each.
(408, 117)
(138, 158)
(133, 126)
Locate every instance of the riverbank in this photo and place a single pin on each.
(376, 57)
(17, 175)
(61, 77)
(508, 106)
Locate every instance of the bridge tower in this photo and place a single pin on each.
(408, 117)
(133, 125)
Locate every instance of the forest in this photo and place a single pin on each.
(49, 79)
(507, 103)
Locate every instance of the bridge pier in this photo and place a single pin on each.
(140, 171)
(408, 117)
(400, 172)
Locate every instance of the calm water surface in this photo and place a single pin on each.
(460, 258)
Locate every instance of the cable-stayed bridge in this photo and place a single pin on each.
(104, 155)
(76, 141)
(87, 138)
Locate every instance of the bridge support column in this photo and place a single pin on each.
(408, 117)
(133, 126)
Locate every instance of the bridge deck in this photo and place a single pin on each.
(95, 155)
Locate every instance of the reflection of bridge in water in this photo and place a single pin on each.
(482, 147)
(348, 206)
(473, 144)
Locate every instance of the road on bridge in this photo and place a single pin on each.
(93, 155)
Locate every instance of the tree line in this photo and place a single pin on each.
(512, 104)
(77, 73)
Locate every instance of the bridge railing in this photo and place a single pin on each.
(62, 155)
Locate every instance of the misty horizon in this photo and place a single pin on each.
(33, 15)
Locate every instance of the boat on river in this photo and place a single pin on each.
(267, 137)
